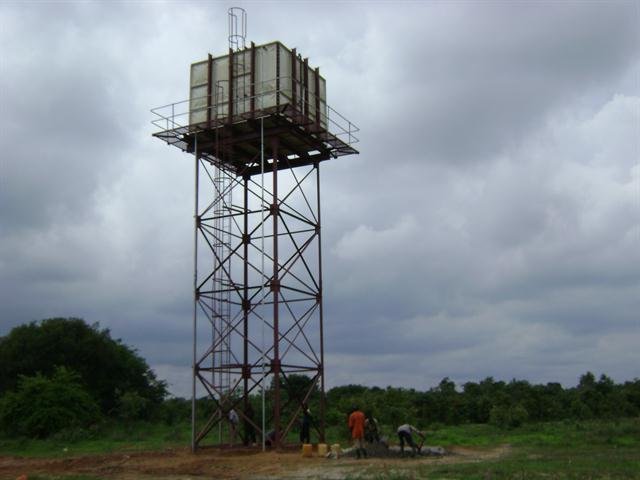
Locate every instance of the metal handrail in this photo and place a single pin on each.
(170, 116)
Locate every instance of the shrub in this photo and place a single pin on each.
(518, 416)
(175, 410)
(498, 416)
(107, 366)
(580, 411)
(132, 406)
(503, 416)
(41, 406)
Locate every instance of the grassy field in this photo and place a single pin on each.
(106, 439)
(531, 463)
(559, 450)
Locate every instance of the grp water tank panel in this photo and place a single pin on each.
(273, 61)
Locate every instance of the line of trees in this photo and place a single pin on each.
(505, 404)
(61, 373)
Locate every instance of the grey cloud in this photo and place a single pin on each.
(489, 226)
(493, 80)
(63, 132)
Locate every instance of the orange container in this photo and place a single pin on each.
(307, 450)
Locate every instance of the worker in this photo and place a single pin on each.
(371, 429)
(356, 425)
(405, 435)
(234, 420)
(305, 435)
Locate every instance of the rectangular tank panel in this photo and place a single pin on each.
(198, 93)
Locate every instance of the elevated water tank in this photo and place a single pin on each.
(265, 79)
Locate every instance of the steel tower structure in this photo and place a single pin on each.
(258, 140)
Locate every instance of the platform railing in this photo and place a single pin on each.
(177, 115)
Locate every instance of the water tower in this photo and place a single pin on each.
(258, 126)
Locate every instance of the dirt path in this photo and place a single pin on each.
(180, 464)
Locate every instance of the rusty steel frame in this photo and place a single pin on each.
(278, 212)
(273, 291)
(286, 301)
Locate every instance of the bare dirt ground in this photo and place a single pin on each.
(181, 464)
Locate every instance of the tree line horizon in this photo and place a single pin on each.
(67, 366)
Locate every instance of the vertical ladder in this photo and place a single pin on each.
(222, 283)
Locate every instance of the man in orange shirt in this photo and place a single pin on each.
(356, 425)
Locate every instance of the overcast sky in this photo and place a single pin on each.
(489, 227)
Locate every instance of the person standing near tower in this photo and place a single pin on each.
(305, 435)
(233, 426)
(356, 425)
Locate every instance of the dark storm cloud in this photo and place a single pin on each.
(71, 179)
(61, 130)
(481, 75)
(543, 241)
(490, 225)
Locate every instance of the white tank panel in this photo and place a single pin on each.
(199, 73)
(285, 74)
(266, 76)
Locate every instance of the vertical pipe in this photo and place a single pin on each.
(277, 74)
(317, 87)
(319, 229)
(195, 296)
(262, 276)
(252, 101)
(245, 295)
(215, 315)
(294, 68)
(275, 287)
(306, 87)
(209, 89)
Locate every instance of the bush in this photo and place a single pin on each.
(334, 417)
(498, 416)
(175, 410)
(131, 406)
(580, 411)
(107, 366)
(518, 416)
(503, 416)
(41, 406)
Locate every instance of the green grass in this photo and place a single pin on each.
(556, 450)
(526, 463)
(111, 438)
(537, 463)
(614, 433)
(106, 439)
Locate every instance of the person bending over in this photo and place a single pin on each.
(405, 434)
